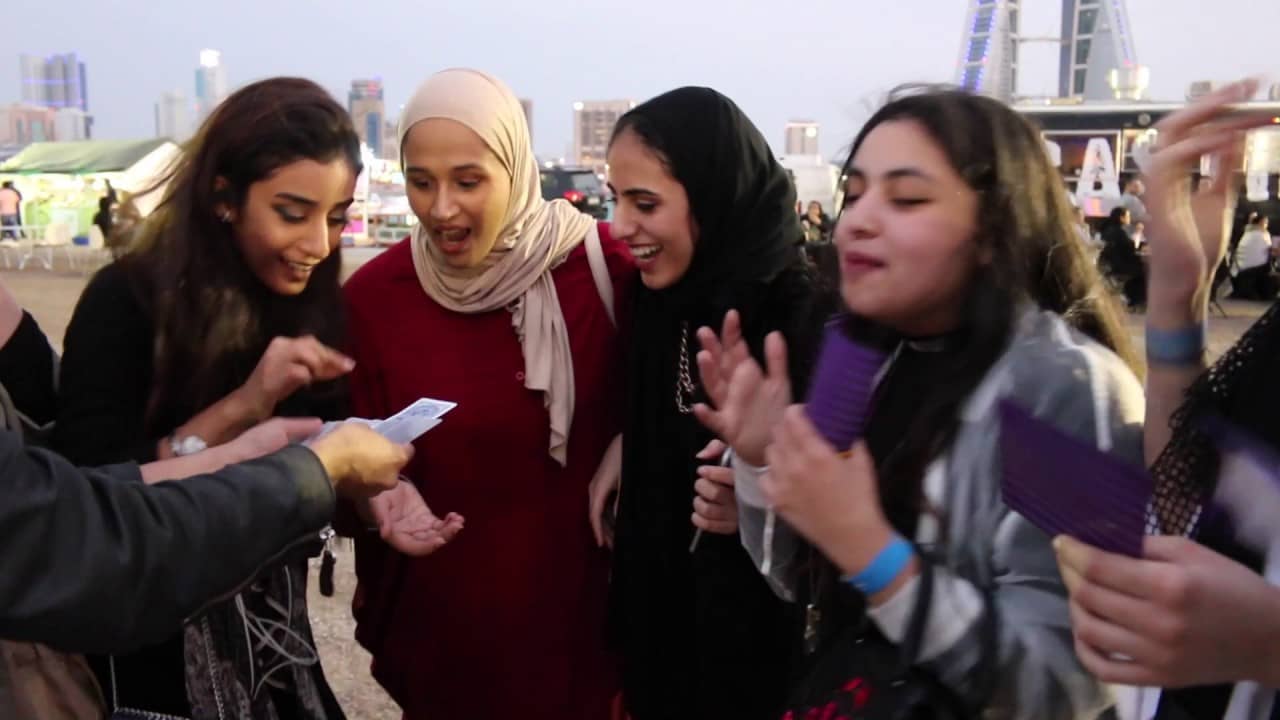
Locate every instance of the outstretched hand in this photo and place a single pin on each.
(746, 401)
(408, 525)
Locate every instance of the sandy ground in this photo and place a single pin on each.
(51, 296)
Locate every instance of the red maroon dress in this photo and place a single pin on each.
(509, 619)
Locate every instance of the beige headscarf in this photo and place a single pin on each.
(536, 236)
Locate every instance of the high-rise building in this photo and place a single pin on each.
(527, 105)
(70, 124)
(22, 123)
(1097, 41)
(593, 122)
(368, 112)
(171, 117)
(58, 81)
(1274, 93)
(211, 83)
(989, 54)
(1097, 60)
(31, 77)
(802, 138)
(390, 140)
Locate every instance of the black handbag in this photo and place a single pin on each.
(855, 673)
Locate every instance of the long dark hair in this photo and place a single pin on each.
(212, 317)
(1024, 222)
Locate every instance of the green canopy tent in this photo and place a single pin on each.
(133, 166)
(83, 157)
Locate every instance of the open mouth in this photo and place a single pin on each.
(451, 240)
(645, 252)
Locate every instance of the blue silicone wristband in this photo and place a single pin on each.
(1176, 347)
(885, 568)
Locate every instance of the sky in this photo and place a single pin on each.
(825, 60)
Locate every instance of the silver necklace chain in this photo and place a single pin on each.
(684, 381)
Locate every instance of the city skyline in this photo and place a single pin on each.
(825, 60)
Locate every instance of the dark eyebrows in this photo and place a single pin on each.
(895, 174)
(633, 192)
(296, 199)
(458, 168)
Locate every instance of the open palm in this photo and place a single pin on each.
(1189, 229)
(746, 401)
(407, 524)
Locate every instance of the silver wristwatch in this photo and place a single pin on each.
(189, 445)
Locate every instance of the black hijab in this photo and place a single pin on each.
(741, 199)
(742, 202)
(692, 625)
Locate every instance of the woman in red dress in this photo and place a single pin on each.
(502, 303)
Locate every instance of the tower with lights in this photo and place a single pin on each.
(1097, 60)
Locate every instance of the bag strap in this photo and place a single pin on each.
(988, 635)
(914, 638)
(600, 271)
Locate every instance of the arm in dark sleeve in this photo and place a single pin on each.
(27, 371)
(105, 378)
(96, 561)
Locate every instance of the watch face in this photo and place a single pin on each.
(189, 445)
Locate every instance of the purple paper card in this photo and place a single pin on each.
(1065, 486)
(843, 383)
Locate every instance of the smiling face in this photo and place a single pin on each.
(652, 215)
(458, 189)
(292, 220)
(906, 233)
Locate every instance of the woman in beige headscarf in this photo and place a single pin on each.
(492, 304)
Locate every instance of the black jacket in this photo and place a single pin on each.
(96, 561)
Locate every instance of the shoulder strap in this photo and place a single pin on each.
(600, 271)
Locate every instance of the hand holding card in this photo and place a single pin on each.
(1065, 486)
(839, 400)
(405, 426)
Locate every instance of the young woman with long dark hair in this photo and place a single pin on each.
(958, 256)
(226, 312)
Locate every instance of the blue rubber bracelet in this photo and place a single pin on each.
(885, 568)
(1176, 347)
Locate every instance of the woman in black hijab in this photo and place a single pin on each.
(709, 215)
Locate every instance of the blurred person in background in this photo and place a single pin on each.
(10, 211)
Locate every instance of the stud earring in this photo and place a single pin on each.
(225, 216)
